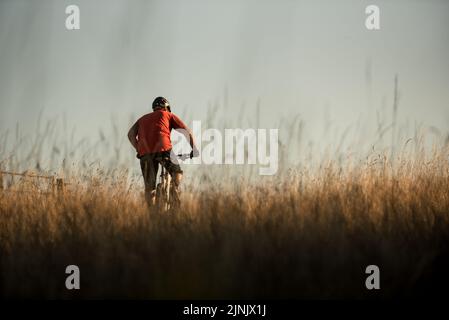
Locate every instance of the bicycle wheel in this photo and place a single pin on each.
(160, 197)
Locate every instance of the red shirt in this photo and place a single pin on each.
(153, 131)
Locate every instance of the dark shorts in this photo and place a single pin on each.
(149, 163)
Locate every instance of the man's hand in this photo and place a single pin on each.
(194, 153)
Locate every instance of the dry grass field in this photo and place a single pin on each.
(301, 234)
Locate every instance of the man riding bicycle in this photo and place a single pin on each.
(150, 136)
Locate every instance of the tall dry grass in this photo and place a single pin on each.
(308, 232)
(302, 234)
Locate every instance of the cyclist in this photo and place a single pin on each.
(150, 136)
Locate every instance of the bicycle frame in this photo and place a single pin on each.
(164, 196)
(163, 190)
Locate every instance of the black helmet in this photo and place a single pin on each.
(161, 102)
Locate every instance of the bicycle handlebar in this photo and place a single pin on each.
(182, 156)
(190, 155)
(185, 156)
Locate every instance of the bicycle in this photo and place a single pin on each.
(167, 196)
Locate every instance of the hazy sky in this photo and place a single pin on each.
(295, 56)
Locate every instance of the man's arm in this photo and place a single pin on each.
(189, 136)
(132, 135)
(179, 126)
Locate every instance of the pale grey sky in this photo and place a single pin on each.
(307, 57)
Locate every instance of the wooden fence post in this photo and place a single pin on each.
(53, 185)
(60, 186)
